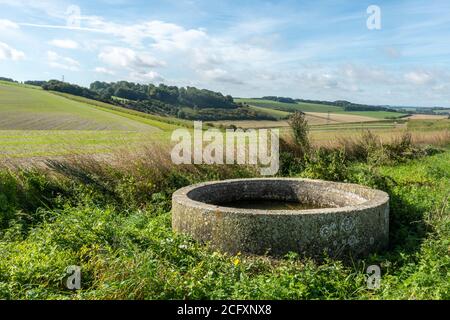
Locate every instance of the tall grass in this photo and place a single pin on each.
(110, 215)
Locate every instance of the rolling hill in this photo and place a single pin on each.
(317, 108)
(34, 122)
(25, 108)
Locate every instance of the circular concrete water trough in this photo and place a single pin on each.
(347, 219)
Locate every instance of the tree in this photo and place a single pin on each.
(181, 114)
(300, 130)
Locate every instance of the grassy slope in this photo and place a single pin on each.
(313, 107)
(34, 122)
(164, 123)
(278, 114)
(32, 109)
(377, 114)
(290, 107)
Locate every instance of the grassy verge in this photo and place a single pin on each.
(111, 217)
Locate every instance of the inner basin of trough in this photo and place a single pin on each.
(270, 205)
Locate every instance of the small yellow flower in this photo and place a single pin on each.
(236, 261)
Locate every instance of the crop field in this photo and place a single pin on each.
(48, 143)
(278, 114)
(427, 117)
(290, 107)
(377, 114)
(427, 124)
(33, 109)
(315, 119)
(35, 123)
(317, 108)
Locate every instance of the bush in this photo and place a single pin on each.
(327, 165)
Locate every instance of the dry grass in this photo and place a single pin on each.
(427, 117)
(339, 117)
(439, 138)
(314, 118)
(151, 169)
(436, 138)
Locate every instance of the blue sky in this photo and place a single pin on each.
(302, 49)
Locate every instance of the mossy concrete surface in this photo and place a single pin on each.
(356, 220)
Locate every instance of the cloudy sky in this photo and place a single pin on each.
(247, 48)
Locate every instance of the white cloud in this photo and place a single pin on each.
(192, 47)
(57, 61)
(64, 43)
(128, 58)
(104, 71)
(221, 75)
(150, 76)
(50, 7)
(7, 25)
(256, 52)
(8, 53)
(419, 77)
(165, 35)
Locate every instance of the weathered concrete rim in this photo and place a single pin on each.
(378, 198)
(355, 219)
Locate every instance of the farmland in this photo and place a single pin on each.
(112, 218)
(235, 151)
(33, 109)
(108, 169)
(34, 123)
(315, 108)
(290, 107)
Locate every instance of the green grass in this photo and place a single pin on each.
(385, 124)
(31, 109)
(121, 238)
(377, 114)
(163, 123)
(314, 107)
(290, 107)
(428, 125)
(36, 123)
(48, 143)
(278, 114)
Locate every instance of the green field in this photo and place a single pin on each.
(32, 109)
(427, 125)
(42, 143)
(111, 215)
(377, 114)
(289, 107)
(314, 107)
(277, 114)
(34, 122)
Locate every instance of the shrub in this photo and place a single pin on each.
(300, 130)
(369, 147)
(327, 165)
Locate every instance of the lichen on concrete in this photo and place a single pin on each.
(356, 221)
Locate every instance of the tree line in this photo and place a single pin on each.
(186, 103)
